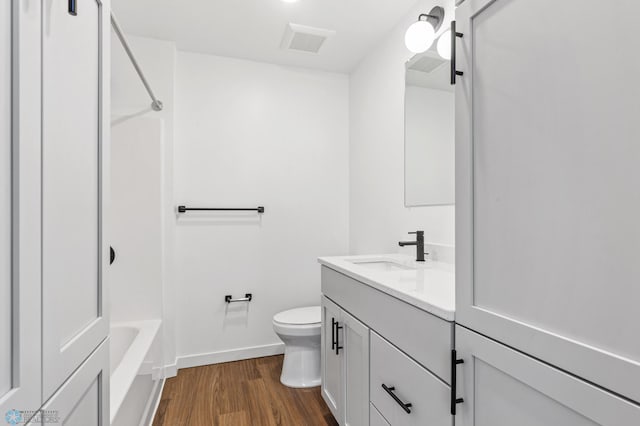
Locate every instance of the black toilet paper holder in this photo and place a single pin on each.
(247, 298)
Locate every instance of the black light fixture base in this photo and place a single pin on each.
(435, 17)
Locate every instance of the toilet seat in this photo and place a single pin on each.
(298, 322)
(299, 316)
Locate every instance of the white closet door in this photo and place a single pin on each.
(75, 57)
(5, 196)
(84, 399)
(503, 387)
(547, 182)
(20, 320)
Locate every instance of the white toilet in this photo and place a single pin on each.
(299, 329)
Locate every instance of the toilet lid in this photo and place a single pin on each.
(299, 316)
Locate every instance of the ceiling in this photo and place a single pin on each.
(253, 29)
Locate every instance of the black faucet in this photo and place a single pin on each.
(419, 243)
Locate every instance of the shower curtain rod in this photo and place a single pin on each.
(156, 105)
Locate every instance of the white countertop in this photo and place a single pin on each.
(429, 285)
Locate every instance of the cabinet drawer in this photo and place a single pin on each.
(410, 383)
(425, 337)
(376, 418)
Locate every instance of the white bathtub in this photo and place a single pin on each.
(131, 362)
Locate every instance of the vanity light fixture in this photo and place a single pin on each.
(444, 45)
(421, 35)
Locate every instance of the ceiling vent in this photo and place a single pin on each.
(425, 62)
(301, 38)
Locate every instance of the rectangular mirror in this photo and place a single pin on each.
(429, 148)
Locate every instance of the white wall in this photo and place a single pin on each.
(131, 109)
(251, 134)
(378, 218)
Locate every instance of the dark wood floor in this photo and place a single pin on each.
(242, 393)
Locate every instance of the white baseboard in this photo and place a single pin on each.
(197, 360)
(170, 370)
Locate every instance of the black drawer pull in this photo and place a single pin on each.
(405, 406)
(454, 381)
(333, 333)
(73, 7)
(338, 347)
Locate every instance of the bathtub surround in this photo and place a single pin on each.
(376, 154)
(130, 102)
(142, 224)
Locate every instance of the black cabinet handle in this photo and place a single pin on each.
(73, 7)
(454, 376)
(454, 37)
(333, 333)
(338, 347)
(112, 255)
(406, 406)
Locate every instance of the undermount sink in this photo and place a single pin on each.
(429, 285)
(381, 265)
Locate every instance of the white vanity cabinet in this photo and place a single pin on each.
(380, 354)
(345, 365)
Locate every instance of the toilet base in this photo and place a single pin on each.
(301, 365)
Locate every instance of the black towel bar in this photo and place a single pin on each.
(184, 209)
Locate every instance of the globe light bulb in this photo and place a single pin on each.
(444, 45)
(419, 37)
